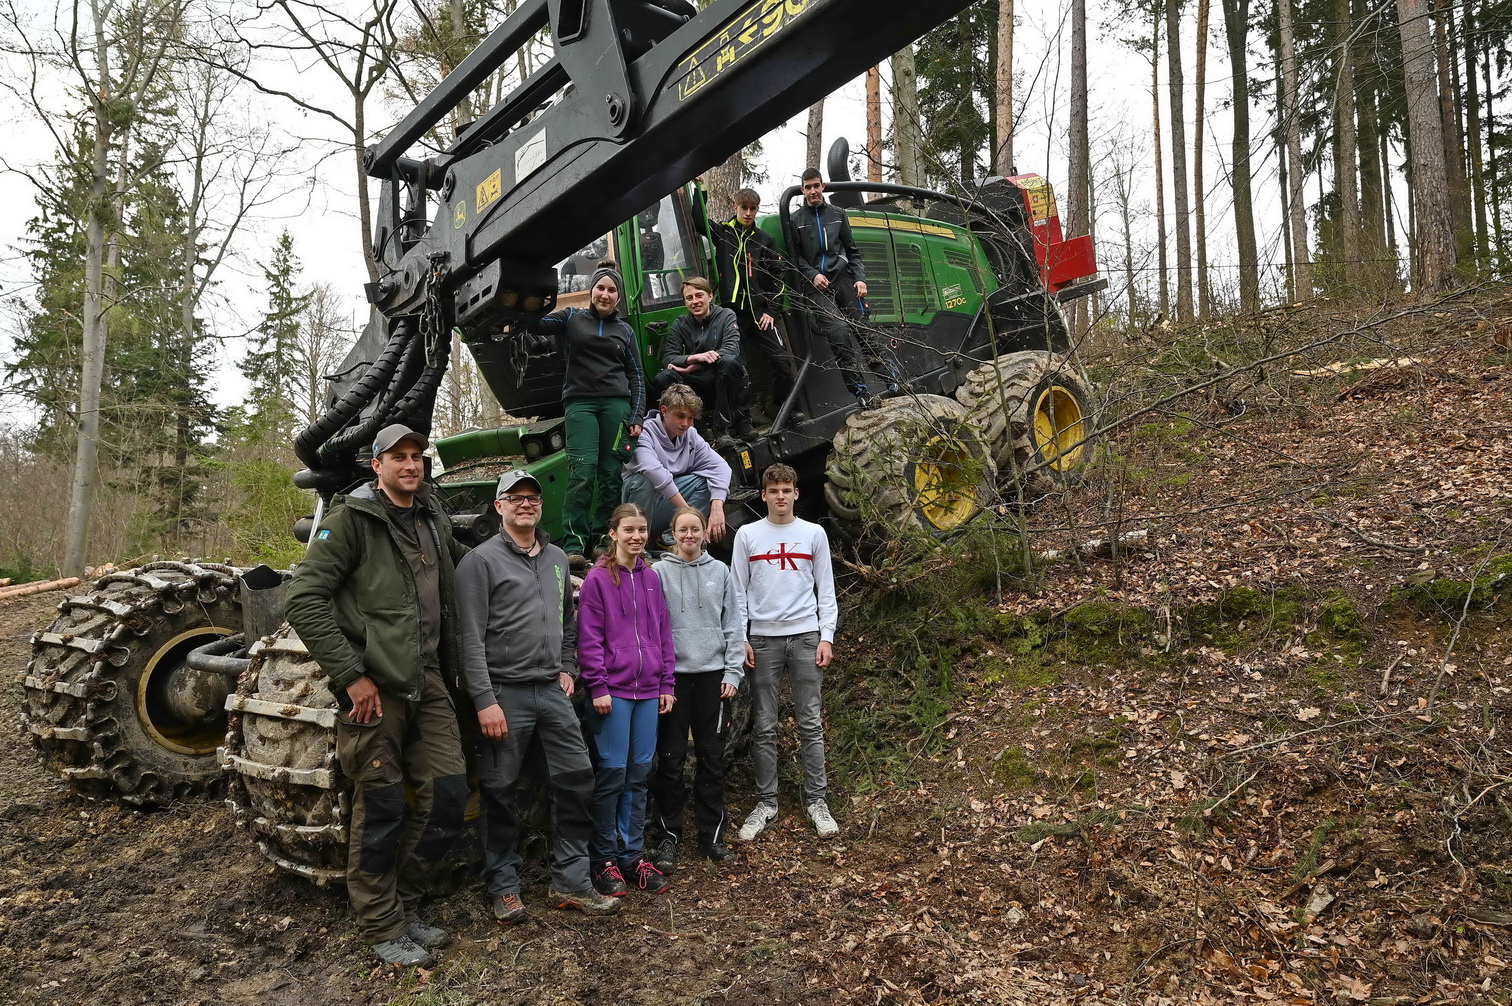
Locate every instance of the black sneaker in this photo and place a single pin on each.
(403, 952)
(665, 855)
(716, 852)
(743, 429)
(865, 401)
(609, 881)
(649, 879)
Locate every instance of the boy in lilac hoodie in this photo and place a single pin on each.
(626, 663)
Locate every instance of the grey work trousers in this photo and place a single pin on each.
(542, 710)
(794, 655)
(394, 849)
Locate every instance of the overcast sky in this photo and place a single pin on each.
(319, 205)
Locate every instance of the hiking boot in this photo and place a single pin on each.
(649, 879)
(587, 900)
(665, 855)
(401, 951)
(609, 881)
(824, 822)
(757, 820)
(716, 852)
(429, 937)
(743, 429)
(509, 910)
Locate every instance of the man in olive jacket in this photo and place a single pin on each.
(374, 602)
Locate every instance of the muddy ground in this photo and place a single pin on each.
(1261, 757)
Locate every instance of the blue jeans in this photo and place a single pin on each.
(640, 491)
(625, 742)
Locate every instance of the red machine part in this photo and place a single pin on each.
(1062, 260)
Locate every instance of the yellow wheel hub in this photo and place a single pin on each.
(1059, 428)
(155, 712)
(947, 483)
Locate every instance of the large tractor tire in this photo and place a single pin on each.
(912, 462)
(1035, 411)
(109, 702)
(280, 753)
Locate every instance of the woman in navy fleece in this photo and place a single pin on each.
(626, 662)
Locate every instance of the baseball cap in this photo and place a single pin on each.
(510, 479)
(391, 435)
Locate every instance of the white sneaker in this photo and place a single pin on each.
(757, 820)
(824, 822)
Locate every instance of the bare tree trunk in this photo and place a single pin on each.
(1432, 237)
(1490, 120)
(721, 182)
(1454, 161)
(1160, 220)
(1079, 191)
(1346, 149)
(813, 155)
(1124, 196)
(1236, 27)
(1176, 86)
(908, 135)
(115, 94)
(1199, 186)
(1077, 210)
(1002, 158)
(1474, 139)
(1297, 178)
(874, 124)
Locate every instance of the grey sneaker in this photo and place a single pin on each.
(587, 900)
(508, 909)
(756, 821)
(429, 937)
(403, 952)
(824, 822)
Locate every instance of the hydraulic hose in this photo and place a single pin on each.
(310, 440)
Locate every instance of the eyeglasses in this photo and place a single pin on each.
(514, 500)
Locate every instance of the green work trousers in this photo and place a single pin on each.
(394, 845)
(595, 457)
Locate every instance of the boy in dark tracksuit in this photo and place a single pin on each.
(703, 351)
(750, 284)
(831, 263)
(374, 603)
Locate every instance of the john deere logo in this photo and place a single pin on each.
(459, 215)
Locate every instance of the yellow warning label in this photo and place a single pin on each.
(907, 226)
(740, 36)
(490, 189)
(745, 460)
(1040, 195)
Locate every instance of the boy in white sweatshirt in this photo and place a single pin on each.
(786, 592)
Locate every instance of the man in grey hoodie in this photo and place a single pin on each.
(519, 653)
(674, 466)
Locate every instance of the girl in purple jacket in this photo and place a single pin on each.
(626, 660)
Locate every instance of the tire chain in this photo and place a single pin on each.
(69, 684)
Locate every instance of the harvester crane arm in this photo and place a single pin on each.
(639, 97)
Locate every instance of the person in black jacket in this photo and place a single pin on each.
(831, 262)
(750, 283)
(703, 351)
(603, 397)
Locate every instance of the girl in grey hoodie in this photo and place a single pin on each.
(710, 645)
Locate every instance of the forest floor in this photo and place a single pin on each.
(1259, 756)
